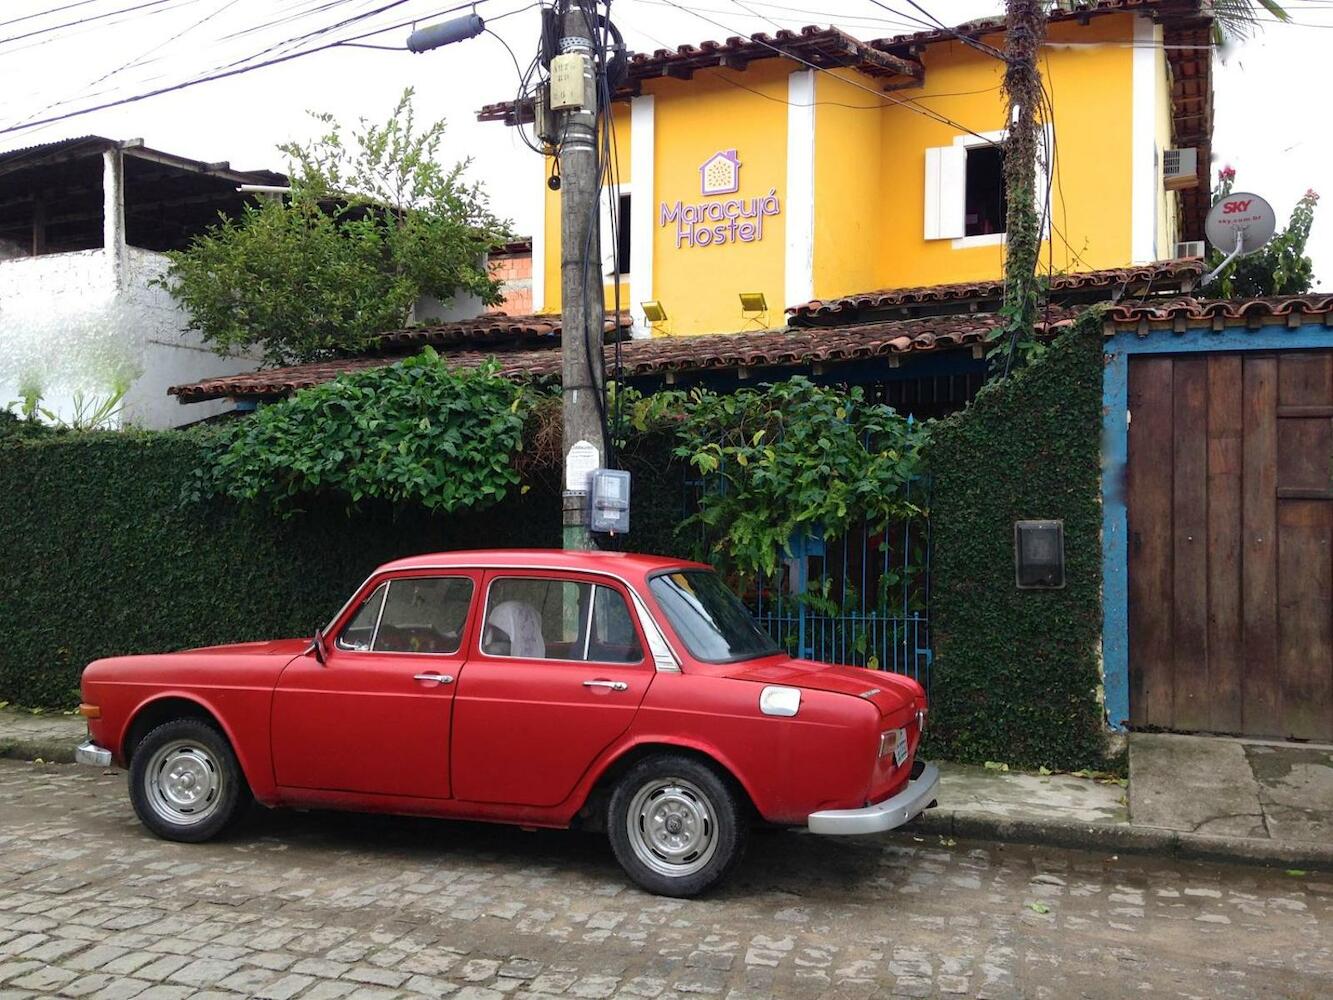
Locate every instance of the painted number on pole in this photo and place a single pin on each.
(582, 458)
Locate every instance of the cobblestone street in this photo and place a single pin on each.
(323, 906)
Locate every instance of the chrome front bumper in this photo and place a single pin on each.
(890, 814)
(89, 752)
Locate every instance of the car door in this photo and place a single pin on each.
(374, 717)
(556, 674)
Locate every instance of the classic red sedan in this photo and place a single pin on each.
(628, 693)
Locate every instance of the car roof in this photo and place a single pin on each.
(611, 562)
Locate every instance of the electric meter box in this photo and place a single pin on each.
(608, 490)
(571, 82)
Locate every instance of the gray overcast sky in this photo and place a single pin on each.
(1271, 92)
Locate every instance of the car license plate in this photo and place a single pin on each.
(900, 747)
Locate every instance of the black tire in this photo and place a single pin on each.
(185, 782)
(677, 826)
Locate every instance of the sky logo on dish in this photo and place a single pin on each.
(720, 173)
(1232, 207)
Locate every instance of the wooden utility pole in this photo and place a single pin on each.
(582, 315)
(1026, 31)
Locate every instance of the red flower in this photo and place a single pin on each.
(1227, 173)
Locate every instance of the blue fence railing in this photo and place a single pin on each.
(860, 599)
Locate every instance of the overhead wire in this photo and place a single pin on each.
(927, 112)
(238, 67)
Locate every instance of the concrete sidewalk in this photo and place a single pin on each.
(50, 737)
(1206, 798)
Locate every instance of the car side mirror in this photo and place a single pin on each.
(319, 647)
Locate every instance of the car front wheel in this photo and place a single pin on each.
(185, 783)
(676, 825)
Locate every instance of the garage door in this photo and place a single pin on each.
(1230, 502)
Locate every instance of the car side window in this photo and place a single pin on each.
(423, 614)
(360, 631)
(547, 619)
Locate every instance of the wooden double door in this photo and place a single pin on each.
(1230, 503)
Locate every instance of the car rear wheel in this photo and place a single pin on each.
(676, 825)
(185, 783)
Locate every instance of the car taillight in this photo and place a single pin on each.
(921, 720)
(887, 739)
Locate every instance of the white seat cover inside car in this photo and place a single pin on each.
(521, 622)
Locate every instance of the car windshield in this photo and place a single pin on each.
(709, 618)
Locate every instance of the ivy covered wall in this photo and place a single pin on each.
(102, 557)
(1017, 673)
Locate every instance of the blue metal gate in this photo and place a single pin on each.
(860, 599)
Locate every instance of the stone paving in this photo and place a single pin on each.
(319, 906)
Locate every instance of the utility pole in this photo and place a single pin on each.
(582, 316)
(1026, 31)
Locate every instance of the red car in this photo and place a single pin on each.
(603, 690)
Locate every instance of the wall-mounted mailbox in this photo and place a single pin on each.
(1039, 555)
(609, 495)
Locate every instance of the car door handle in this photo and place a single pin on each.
(437, 678)
(613, 685)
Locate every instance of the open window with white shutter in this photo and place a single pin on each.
(965, 190)
(615, 232)
(946, 181)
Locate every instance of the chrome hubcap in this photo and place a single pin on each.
(672, 827)
(183, 782)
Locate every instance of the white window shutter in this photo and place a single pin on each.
(1045, 211)
(608, 232)
(946, 192)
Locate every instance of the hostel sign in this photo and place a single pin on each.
(718, 222)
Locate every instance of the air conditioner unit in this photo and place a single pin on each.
(1193, 248)
(1180, 169)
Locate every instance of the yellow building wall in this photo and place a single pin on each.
(621, 152)
(1168, 205)
(699, 286)
(1091, 87)
(850, 198)
(869, 173)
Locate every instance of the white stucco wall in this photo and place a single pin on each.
(64, 328)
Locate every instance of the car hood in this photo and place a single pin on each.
(289, 647)
(889, 692)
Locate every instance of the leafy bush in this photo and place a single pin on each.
(795, 458)
(1017, 674)
(414, 432)
(368, 229)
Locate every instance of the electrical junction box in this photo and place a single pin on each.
(608, 490)
(543, 122)
(571, 82)
(1039, 555)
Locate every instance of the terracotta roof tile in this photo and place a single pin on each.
(826, 48)
(489, 329)
(1162, 276)
(660, 355)
(1185, 313)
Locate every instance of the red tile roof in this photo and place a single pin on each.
(1159, 277)
(658, 355)
(1075, 10)
(799, 347)
(489, 329)
(827, 48)
(1186, 313)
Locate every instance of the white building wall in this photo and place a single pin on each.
(64, 329)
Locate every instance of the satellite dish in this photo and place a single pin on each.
(1240, 223)
(1237, 225)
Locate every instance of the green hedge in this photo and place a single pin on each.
(102, 558)
(1017, 674)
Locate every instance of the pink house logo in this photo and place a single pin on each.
(720, 173)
